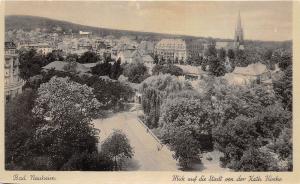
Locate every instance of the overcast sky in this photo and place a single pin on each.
(260, 20)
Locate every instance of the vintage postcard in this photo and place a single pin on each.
(149, 92)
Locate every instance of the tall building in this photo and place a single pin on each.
(13, 82)
(172, 50)
(239, 34)
(195, 48)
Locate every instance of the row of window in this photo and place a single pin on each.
(10, 51)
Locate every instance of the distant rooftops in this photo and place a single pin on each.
(84, 33)
(171, 41)
(59, 66)
(171, 44)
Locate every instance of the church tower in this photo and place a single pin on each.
(239, 35)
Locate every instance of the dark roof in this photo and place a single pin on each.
(10, 45)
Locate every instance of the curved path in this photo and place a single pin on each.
(147, 157)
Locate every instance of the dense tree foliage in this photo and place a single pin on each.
(154, 89)
(113, 94)
(72, 58)
(214, 61)
(89, 57)
(186, 126)
(31, 63)
(216, 66)
(68, 108)
(283, 88)
(117, 148)
(116, 70)
(19, 128)
(136, 72)
(242, 134)
(245, 119)
(101, 69)
(55, 55)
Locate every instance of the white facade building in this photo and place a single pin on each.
(172, 50)
(13, 82)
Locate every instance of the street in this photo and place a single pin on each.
(146, 154)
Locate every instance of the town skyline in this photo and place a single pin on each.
(268, 23)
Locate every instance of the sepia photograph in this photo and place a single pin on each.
(196, 86)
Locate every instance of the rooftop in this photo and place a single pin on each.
(59, 66)
(252, 69)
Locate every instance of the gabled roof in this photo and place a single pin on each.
(252, 69)
(147, 58)
(188, 69)
(59, 66)
(90, 65)
(130, 54)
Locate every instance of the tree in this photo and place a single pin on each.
(116, 70)
(58, 55)
(89, 162)
(118, 148)
(136, 72)
(285, 61)
(68, 108)
(19, 130)
(186, 124)
(156, 88)
(72, 58)
(272, 120)
(156, 60)
(283, 58)
(30, 63)
(246, 118)
(185, 147)
(102, 69)
(111, 93)
(176, 60)
(230, 54)
(233, 138)
(210, 51)
(55, 55)
(260, 129)
(216, 66)
(197, 61)
(284, 148)
(88, 57)
(240, 58)
(165, 69)
(257, 160)
(222, 54)
(284, 88)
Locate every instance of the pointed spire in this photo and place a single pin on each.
(239, 35)
(239, 22)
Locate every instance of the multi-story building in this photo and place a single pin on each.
(13, 82)
(195, 48)
(44, 48)
(172, 50)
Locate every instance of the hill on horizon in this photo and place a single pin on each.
(28, 23)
